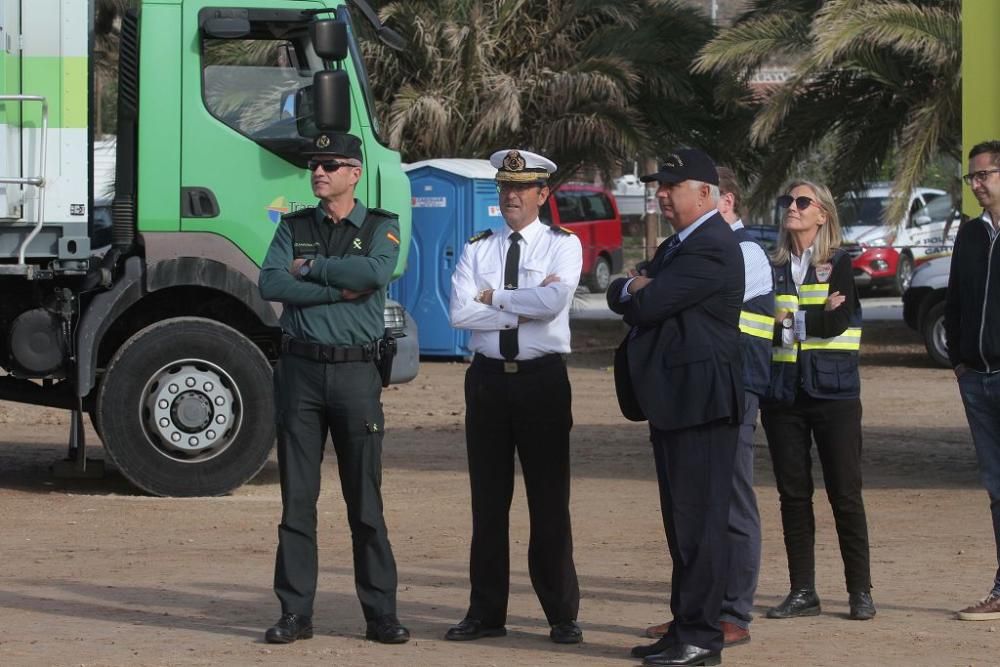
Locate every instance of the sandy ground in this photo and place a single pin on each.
(96, 574)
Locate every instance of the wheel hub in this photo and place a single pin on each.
(190, 410)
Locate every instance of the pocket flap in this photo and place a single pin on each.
(688, 355)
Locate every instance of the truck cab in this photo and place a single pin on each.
(156, 327)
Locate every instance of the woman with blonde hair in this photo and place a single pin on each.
(815, 396)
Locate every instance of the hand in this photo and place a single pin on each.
(485, 296)
(637, 271)
(296, 265)
(638, 283)
(549, 279)
(961, 370)
(834, 301)
(351, 295)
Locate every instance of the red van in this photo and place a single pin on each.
(592, 214)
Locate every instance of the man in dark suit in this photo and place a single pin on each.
(684, 362)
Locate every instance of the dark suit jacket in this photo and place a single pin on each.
(684, 360)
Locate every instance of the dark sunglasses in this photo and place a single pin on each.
(329, 166)
(801, 203)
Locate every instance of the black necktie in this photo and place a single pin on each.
(672, 244)
(508, 337)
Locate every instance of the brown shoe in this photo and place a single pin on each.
(657, 631)
(987, 610)
(733, 635)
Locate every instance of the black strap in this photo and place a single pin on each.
(508, 337)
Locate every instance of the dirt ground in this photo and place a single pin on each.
(96, 574)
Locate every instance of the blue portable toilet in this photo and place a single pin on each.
(452, 200)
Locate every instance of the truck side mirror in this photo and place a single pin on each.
(325, 106)
(329, 38)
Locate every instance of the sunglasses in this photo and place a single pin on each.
(329, 166)
(801, 203)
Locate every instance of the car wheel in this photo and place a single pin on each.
(186, 408)
(904, 274)
(601, 276)
(934, 336)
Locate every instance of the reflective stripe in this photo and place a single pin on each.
(786, 302)
(784, 354)
(753, 324)
(849, 340)
(814, 294)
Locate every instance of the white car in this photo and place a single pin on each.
(923, 306)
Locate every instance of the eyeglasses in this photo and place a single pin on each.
(329, 166)
(980, 176)
(801, 203)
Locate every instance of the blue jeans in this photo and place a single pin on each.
(981, 396)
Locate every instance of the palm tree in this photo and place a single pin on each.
(875, 79)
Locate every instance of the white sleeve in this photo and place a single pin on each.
(545, 303)
(464, 311)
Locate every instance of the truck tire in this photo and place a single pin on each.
(186, 408)
(904, 273)
(600, 277)
(933, 332)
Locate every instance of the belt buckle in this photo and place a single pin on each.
(510, 367)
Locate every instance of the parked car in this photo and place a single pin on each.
(923, 306)
(592, 213)
(884, 255)
(766, 235)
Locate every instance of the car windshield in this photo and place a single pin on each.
(939, 210)
(861, 211)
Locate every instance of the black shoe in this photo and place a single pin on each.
(862, 606)
(567, 632)
(800, 602)
(659, 646)
(289, 628)
(683, 654)
(387, 630)
(471, 628)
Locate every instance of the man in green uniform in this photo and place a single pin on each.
(329, 265)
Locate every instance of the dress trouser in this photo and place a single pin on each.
(315, 399)
(694, 468)
(836, 427)
(528, 412)
(744, 526)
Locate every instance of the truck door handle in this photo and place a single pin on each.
(198, 203)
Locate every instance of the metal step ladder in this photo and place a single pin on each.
(22, 268)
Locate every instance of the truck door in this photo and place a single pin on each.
(238, 171)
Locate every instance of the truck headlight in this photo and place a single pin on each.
(395, 319)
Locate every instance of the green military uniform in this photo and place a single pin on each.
(326, 381)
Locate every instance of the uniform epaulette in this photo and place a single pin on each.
(300, 213)
(384, 213)
(561, 230)
(485, 234)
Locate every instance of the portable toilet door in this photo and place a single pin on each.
(452, 200)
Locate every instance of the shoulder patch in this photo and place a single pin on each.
(485, 234)
(384, 213)
(565, 231)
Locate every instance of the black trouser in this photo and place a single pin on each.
(314, 398)
(528, 411)
(694, 468)
(836, 427)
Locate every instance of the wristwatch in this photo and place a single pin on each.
(305, 268)
(788, 321)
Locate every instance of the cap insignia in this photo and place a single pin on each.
(322, 141)
(513, 161)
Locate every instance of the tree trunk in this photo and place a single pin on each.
(652, 219)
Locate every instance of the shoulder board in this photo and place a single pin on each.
(485, 234)
(301, 213)
(382, 212)
(561, 230)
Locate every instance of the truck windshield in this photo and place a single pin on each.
(359, 67)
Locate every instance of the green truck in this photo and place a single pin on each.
(132, 297)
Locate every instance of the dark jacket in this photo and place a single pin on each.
(684, 357)
(972, 305)
(825, 365)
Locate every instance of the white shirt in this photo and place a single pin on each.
(758, 280)
(545, 329)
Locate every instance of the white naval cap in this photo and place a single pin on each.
(519, 166)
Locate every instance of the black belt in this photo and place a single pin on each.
(524, 366)
(328, 354)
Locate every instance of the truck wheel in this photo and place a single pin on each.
(600, 278)
(934, 338)
(904, 273)
(185, 408)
